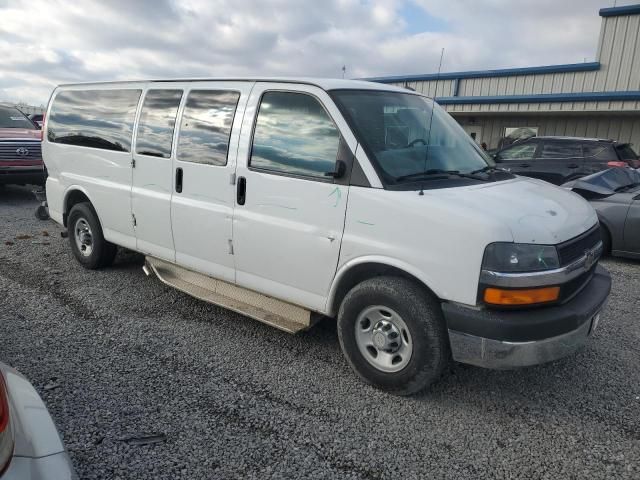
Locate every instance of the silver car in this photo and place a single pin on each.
(30, 446)
(615, 194)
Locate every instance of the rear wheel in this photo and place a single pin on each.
(87, 240)
(393, 334)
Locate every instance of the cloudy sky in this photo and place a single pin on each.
(46, 42)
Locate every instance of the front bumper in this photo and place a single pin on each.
(519, 338)
(20, 175)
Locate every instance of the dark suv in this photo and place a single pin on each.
(561, 159)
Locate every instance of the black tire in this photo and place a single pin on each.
(42, 213)
(423, 317)
(102, 252)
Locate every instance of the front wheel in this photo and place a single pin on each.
(393, 334)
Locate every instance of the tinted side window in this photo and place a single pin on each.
(598, 151)
(206, 126)
(94, 118)
(561, 150)
(294, 135)
(625, 152)
(157, 121)
(519, 152)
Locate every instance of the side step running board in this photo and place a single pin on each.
(274, 312)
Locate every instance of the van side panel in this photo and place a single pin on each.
(104, 175)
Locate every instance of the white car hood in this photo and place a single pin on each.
(535, 211)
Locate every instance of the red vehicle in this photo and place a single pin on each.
(20, 154)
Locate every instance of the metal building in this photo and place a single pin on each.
(595, 99)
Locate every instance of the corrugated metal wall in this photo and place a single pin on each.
(624, 128)
(618, 52)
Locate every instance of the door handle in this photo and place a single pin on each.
(179, 180)
(241, 192)
(573, 165)
(524, 165)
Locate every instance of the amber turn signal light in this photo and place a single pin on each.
(497, 296)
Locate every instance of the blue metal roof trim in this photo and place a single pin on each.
(617, 11)
(504, 72)
(542, 98)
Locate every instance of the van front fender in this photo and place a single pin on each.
(361, 268)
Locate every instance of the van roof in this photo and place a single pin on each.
(324, 83)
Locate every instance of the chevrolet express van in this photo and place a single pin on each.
(290, 200)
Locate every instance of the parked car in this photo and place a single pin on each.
(37, 118)
(288, 200)
(20, 153)
(30, 446)
(561, 159)
(615, 195)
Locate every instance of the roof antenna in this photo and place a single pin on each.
(433, 106)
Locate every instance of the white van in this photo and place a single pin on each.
(292, 199)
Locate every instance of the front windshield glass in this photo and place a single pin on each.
(405, 140)
(13, 118)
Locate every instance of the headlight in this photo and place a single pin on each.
(519, 257)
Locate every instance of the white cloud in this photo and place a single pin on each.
(46, 42)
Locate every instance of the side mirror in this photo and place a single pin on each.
(339, 171)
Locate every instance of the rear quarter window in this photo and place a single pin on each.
(599, 152)
(94, 118)
(625, 152)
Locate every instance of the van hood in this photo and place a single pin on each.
(19, 134)
(535, 211)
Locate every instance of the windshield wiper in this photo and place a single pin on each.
(486, 169)
(438, 174)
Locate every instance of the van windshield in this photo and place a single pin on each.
(406, 142)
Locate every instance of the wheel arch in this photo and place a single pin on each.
(607, 230)
(73, 195)
(360, 269)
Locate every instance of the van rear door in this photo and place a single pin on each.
(289, 215)
(203, 169)
(152, 180)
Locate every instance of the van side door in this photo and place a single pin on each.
(203, 171)
(290, 207)
(152, 180)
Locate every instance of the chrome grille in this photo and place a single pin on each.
(573, 249)
(20, 150)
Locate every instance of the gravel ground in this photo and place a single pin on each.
(236, 399)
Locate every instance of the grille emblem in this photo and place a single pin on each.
(22, 152)
(589, 259)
